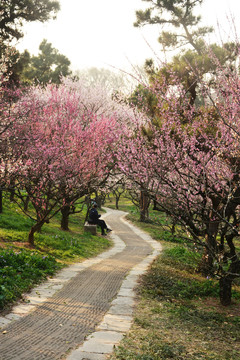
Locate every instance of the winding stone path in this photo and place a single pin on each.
(57, 327)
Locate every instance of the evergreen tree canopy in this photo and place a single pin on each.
(48, 66)
(179, 15)
(13, 13)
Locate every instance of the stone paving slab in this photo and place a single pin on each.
(83, 355)
(119, 323)
(126, 292)
(102, 342)
(123, 301)
(121, 309)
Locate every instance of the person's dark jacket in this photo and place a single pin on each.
(93, 216)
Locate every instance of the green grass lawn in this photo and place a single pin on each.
(22, 267)
(178, 313)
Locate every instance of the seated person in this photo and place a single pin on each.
(94, 219)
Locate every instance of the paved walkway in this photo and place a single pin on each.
(94, 297)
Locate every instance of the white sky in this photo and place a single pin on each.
(100, 33)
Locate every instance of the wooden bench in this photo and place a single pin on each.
(90, 228)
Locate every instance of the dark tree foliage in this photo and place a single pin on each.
(13, 13)
(48, 66)
(179, 15)
(184, 29)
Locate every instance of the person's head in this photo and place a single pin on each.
(95, 205)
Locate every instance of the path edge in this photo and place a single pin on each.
(100, 344)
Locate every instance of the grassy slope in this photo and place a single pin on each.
(22, 267)
(178, 315)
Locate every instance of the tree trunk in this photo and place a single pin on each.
(98, 200)
(65, 218)
(225, 291)
(12, 193)
(193, 92)
(1, 205)
(117, 201)
(155, 207)
(206, 266)
(26, 202)
(173, 229)
(12, 190)
(144, 205)
(34, 229)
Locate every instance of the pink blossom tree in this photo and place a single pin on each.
(62, 152)
(187, 159)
